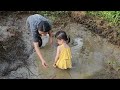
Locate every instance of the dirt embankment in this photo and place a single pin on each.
(14, 42)
(98, 26)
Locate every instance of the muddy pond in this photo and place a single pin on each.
(92, 56)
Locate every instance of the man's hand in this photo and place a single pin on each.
(39, 54)
(44, 64)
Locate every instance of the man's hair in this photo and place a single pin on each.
(44, 26)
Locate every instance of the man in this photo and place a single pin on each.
(40, 28)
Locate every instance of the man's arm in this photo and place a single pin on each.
(36, 46)
(51, 37)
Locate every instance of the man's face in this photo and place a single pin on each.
(43, 33)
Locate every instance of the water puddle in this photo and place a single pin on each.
(88, 52)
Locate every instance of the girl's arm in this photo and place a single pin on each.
(57, 54)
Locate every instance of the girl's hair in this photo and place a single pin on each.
(62, 35)
(44, 26)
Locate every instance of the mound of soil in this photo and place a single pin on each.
(98, 26)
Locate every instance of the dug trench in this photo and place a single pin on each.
(93, 57)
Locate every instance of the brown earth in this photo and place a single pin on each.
(98, 26)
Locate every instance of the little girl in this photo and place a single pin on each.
(63, 55)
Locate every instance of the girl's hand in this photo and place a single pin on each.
(54, 65)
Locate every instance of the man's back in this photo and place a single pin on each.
(34, 20)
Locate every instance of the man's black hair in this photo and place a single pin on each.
(44, 26)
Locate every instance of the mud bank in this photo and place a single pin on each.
(98, 26)
(15, 46)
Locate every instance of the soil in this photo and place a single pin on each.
(98, 26)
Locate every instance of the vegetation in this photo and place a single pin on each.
(112, 17)
(53, 14)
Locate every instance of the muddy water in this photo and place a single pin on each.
(92, 56)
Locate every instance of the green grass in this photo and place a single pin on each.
(53, 14)
(112, 17)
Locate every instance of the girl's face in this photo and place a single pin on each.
(59, 41)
